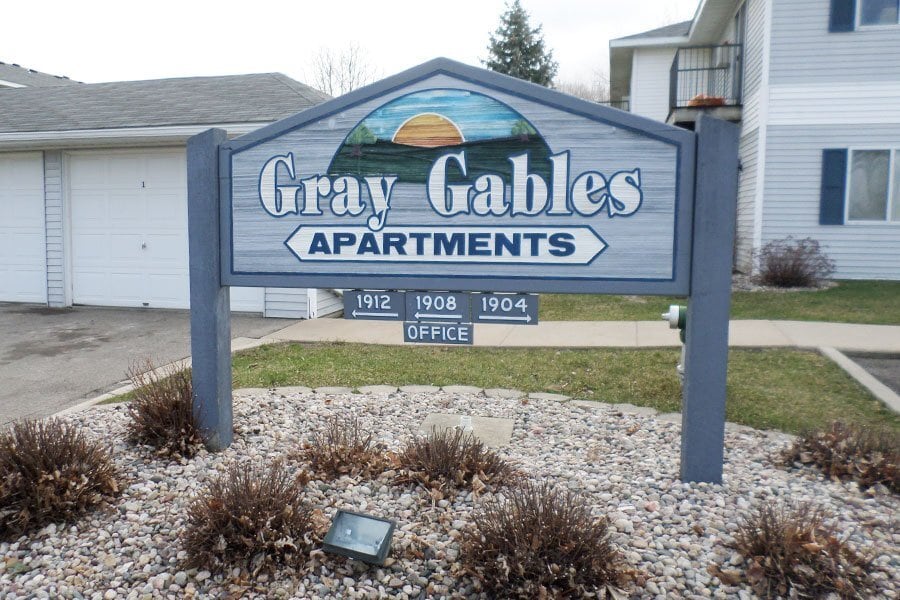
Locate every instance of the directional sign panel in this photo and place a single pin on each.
(508, 309)
(437, 306)
(374, 305)
(438, 333)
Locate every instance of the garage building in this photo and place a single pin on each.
(93, 189)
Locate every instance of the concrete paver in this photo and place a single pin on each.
(756, 333)
(614, 334)
(378, 389)
(845, 336)
(574, 334)
(490, 430)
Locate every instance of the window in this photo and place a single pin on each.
(878, 12)
(873, 193)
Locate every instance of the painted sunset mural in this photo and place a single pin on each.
(405, 136)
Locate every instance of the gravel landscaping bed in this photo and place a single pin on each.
(625, 463)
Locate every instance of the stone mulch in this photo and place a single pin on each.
(623, 459)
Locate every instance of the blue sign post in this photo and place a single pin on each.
(450, 179)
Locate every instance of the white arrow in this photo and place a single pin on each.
(438, 316)
(374, 314)
(526, 318)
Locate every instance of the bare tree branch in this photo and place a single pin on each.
(338, 72)
(595, 90)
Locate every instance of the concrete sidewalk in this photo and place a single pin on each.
(612, 334)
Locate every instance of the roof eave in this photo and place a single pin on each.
(649, 42)
(120, 137)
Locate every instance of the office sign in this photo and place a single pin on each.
(453, 178)
(417, 332)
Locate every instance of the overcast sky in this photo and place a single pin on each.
(94, 41)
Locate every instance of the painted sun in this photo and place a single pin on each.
(428, 130)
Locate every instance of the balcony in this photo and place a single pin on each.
(706, 79)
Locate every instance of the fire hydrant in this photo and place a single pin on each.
(677, 319)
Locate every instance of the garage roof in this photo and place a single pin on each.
(13, 75)
(261, 98)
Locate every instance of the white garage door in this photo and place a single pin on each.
(129, 231)
(23, 273)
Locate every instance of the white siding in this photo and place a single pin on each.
(793, 179)
(53, 210)
(845, 103)
(287, 303)
(754, 55)
(743, 243)
(650, 82)
(327, 303)
(753, 129)
(804, 51)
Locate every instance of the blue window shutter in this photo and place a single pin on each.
(843, 15)
(834, 185)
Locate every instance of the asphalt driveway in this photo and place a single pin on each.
(52, 358)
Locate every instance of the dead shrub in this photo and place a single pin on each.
(250, 517)
(542, 542)
(867, 455)
(342, 447)
(161, 411)
(50, 471)
(450, 458)
(790, 263)
(789, 549)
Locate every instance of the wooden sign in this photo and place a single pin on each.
(450, 177)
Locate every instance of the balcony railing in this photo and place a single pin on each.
(706, 76)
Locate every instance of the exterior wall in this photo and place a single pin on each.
(327, 303)
(818, 77)
(804, 52)
(746, 209)
(793, 178)
(650, 82)
(753, 130)
(55, 230)
(754, 56)
(287, 303)
(828, 90)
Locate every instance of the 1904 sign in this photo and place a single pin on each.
(451, 179)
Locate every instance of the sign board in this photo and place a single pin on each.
(506, 309)
(438, 333)
(374, 305)
(449, 177)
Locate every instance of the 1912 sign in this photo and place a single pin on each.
(445, 181)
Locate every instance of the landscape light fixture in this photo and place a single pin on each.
(360, 536)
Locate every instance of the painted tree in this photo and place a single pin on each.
(516, 48)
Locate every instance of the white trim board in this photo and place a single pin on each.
(122, 136)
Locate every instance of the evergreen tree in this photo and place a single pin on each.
(517, 49)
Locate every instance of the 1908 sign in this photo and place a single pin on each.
(450, 179)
